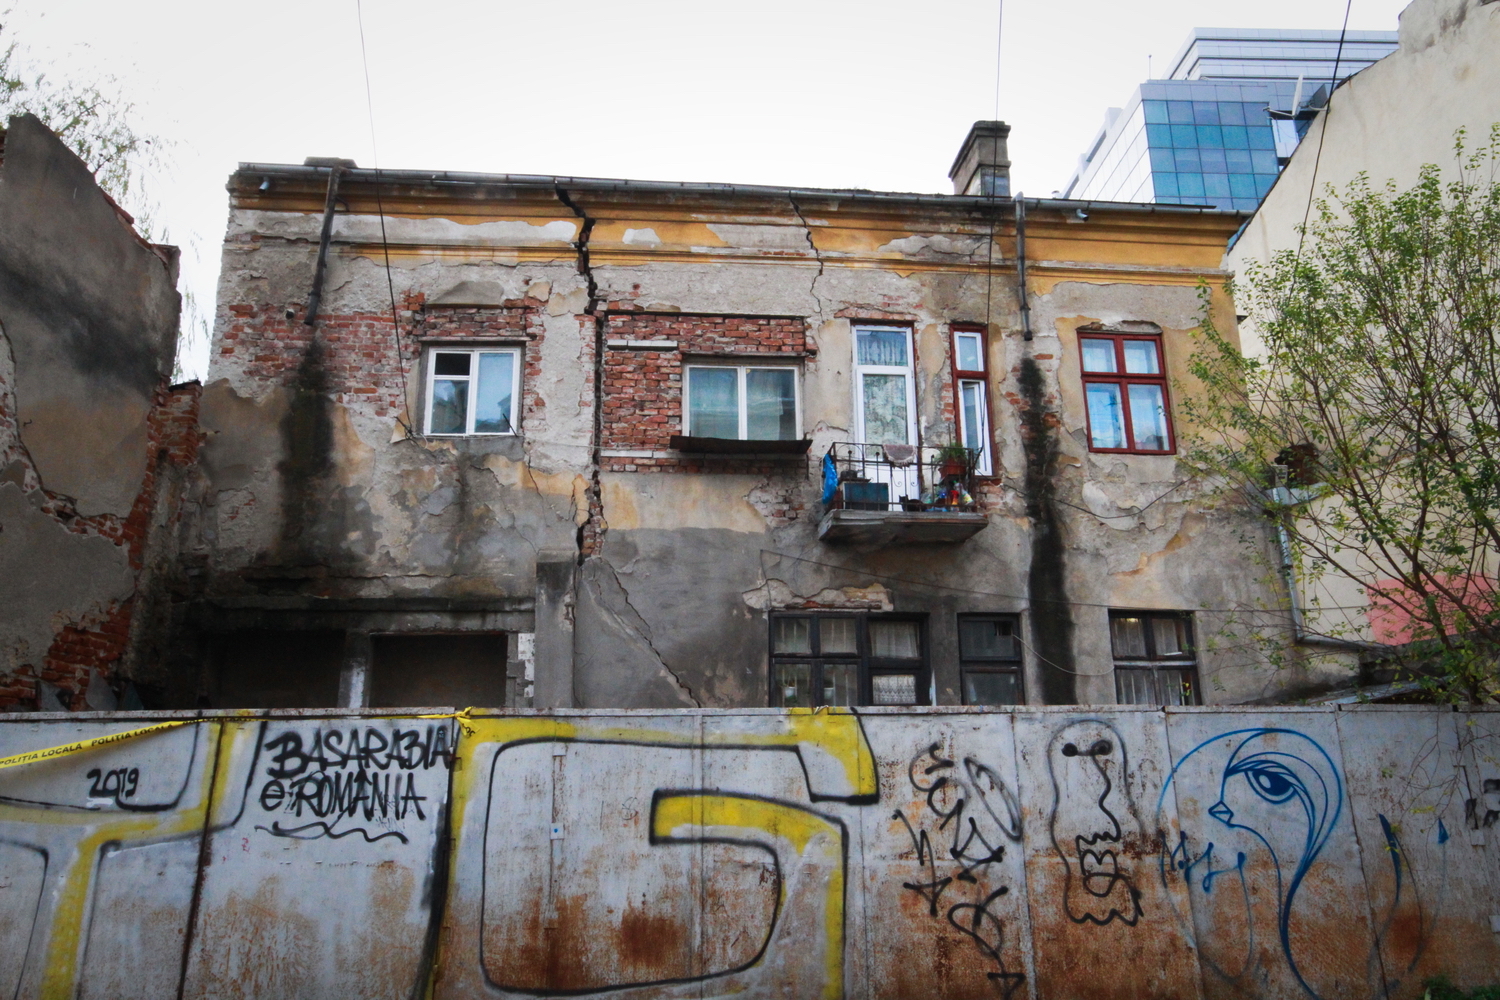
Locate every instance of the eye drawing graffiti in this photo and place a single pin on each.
(1278, 792)
(1086, 761)
(975, 812)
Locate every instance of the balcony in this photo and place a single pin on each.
(878, 495)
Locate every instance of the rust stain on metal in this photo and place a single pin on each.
(650, 941)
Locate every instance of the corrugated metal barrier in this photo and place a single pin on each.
(934, 853)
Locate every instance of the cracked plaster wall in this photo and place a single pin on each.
(672, 596)
(88, 328)
(392, 514)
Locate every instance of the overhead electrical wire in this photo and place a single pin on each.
(390, 285)
(989, 262)
(864, 573)
(1327, 109)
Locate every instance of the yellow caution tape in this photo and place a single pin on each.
(463, 718)
(98, 741)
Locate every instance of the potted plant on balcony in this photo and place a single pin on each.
(953, 461)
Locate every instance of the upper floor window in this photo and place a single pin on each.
(472, 390)
(742, 402)
(1125, 387)
(989, 652)
(885, 402)
(970, 374)
(847, 659)
(1155, 663)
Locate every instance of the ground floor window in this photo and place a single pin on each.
(847, 659)
(1155, 662)
(989, 651)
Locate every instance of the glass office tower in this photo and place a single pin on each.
(1217, 132)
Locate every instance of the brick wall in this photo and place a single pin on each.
(516, 321)
(365, 364)
(642, 392)
(361, 364)
(78, 648)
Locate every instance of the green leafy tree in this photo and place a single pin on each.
(92, 118)
(1374, 396)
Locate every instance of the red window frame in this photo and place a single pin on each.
(982, 376)
(1125, 379)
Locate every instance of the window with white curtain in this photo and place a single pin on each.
(885, 402)
(847, 659)
(741, 402)
(1155, 663)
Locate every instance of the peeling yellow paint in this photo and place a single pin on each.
(674, 502)
(356, 460)
(1144, 585)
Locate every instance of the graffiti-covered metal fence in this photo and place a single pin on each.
(880, 854)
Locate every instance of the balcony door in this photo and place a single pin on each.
(885, 403)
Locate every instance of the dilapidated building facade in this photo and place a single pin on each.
(495, 439)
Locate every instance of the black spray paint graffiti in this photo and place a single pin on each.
(1484, 813)
(1087, 763)
(118, 784)
(344, 775)
(975, 813)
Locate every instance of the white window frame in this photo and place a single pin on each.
(744, 399)
(975, 335)
(515, 391)
(982, 466)
(860, 371)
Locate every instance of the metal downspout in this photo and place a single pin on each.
(1300, 635)
(315, 297)
(1021, 268)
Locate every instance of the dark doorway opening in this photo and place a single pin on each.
(433, 670)
(266, 668)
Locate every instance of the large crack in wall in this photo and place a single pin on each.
(618, 662)
(591, 531)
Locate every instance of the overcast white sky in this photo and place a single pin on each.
(821, 93)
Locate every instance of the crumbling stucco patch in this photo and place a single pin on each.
(366, 229)
(921, 246)
(781, 501)
(778, 595)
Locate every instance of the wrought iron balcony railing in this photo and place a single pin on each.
(898, 478)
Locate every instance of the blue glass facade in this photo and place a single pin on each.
(1189, 143)
(1220, 153)
(1207, 135)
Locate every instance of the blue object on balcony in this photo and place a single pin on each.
(830, 479)
(867, 496)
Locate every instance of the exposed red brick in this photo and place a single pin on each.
(642, 395)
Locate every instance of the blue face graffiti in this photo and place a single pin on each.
(1278, 790)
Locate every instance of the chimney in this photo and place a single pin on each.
(983, 168)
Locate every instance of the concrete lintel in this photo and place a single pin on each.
(643, 345)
